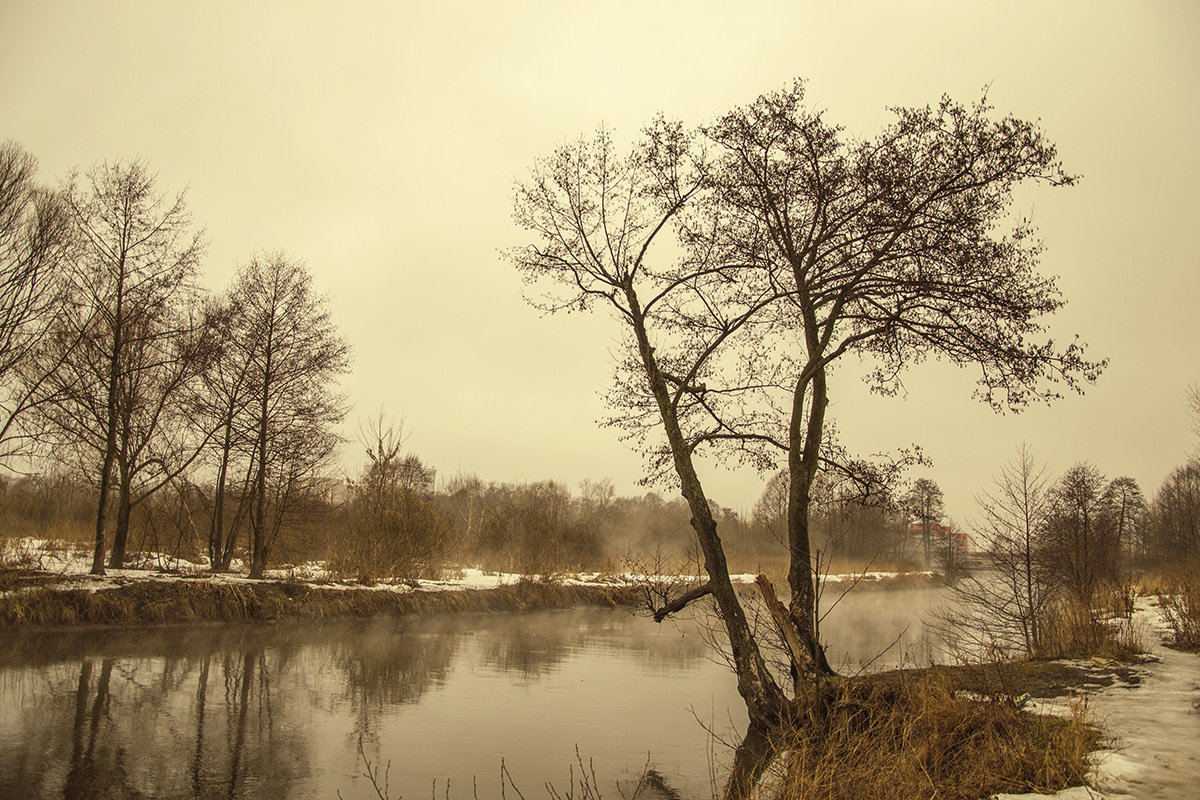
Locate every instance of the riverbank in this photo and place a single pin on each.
(1149, 719)
(191, 600)
(47, 584)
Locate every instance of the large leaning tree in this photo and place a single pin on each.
(747, 257)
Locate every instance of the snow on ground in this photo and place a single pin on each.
(867, 577)
(1153, 728)
(73, 563)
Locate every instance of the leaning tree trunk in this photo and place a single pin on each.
(766, 704)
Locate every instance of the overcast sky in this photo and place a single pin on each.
(379, 143)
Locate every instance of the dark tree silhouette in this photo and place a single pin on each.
(129, 338)
(35, 240)
(890, 248)
(295, 353)
(926, 505)
(800, 246)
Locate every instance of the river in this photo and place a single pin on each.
(440, 702)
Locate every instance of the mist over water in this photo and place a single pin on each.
(278, 711)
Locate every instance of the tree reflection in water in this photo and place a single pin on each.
(277, 711)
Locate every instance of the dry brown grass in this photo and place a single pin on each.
(902, 739)
(163, 602)
(1072, 630)
(1179, 597)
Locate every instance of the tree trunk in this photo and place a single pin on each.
(101, 513)
(258, 518)
(124, 508)
(804, 445)
(750, 760)
(766, 704)
(216, 530)
(110, 439)
(121, 533)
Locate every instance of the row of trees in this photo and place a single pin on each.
(1060, 543)
(117, 366)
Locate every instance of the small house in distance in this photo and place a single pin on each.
(940, 536)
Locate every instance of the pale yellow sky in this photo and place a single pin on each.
(379, 143)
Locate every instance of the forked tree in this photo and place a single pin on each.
(127, 339)
(746, 258)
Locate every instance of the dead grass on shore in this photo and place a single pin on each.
(895, 739)
(1179, 597)
(178, 602)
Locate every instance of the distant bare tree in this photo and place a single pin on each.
(926, 505)
(1124, 507)
(1174, 524)
(224, 405)
(394, 529)
(1003, 607)
(770, 511)
(1078, 532)
(1193, 393)
(295, 354)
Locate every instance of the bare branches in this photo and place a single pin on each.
(35, 241)
(286, 335)
(794, 247)
(682, 601)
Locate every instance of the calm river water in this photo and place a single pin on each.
(278, 711)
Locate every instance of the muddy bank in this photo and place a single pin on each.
(191, 601)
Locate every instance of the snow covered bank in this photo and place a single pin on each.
(1153, 728)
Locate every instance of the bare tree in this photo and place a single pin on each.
(596, 216)
(926, 505)
(887, 248)
(129, 339)
(1174, 527)
(35, 241)
(1003, 608)
(394, 530)
(800, 247)
(224, 405)
(294, 354)
(770, 512)
(1193, 394)
(1124, 507)
(1077, 532)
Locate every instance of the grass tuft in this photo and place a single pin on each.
(894, 739)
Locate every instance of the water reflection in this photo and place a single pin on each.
(246, 711)
(278, 711)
